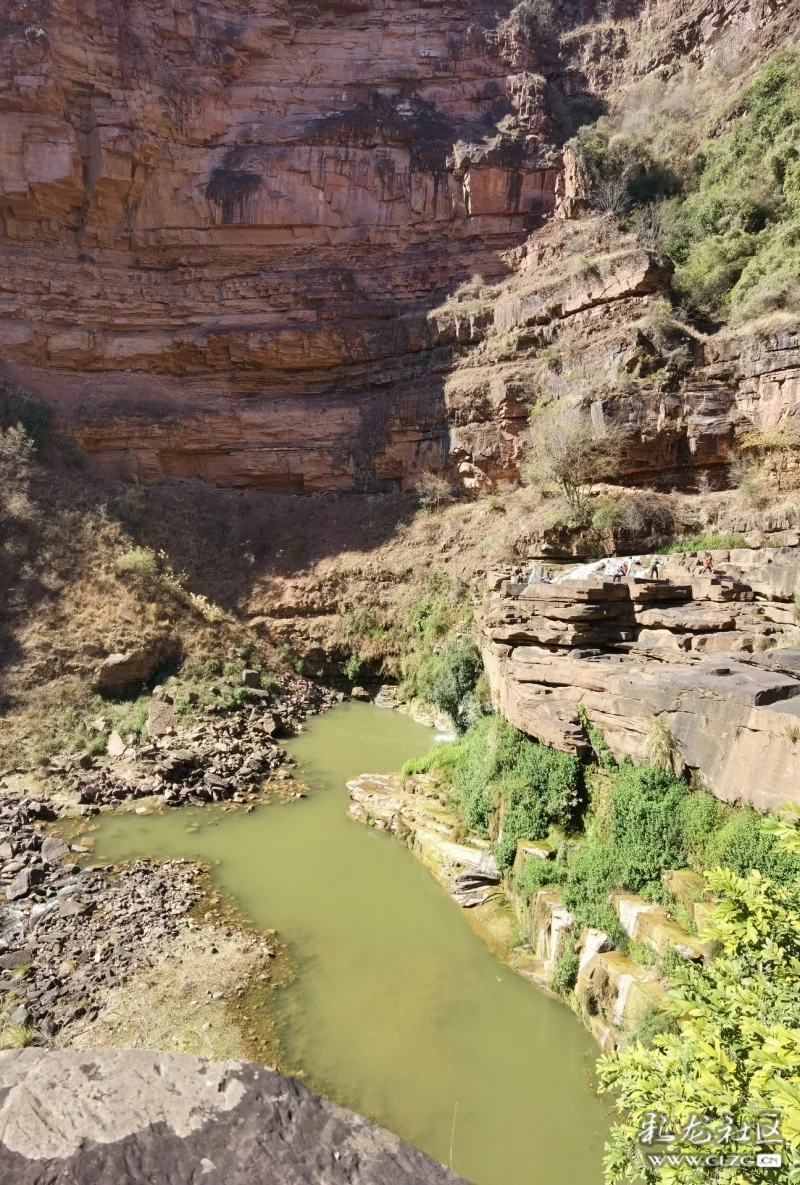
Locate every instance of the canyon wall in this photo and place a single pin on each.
(223, 225)
(234, 238)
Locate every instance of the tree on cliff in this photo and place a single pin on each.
(568, 452)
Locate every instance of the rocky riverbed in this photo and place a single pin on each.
(70, 936)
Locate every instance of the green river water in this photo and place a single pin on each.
(398, 1009)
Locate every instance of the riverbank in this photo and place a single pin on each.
(93, 955)
(395, 1008)
(586, 879)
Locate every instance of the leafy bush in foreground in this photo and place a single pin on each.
(736, 1054)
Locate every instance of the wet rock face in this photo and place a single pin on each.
(109, 1116)
(246, 216)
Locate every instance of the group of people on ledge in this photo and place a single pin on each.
(541, 575)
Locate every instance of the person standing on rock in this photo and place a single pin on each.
(653, 573)
(708, 565)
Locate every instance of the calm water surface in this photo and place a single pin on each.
(398, 1010)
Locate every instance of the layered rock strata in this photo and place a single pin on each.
(221, 230)
(702, 670)
(112, 1115)
(613, 992)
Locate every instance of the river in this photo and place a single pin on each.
(398, 1010)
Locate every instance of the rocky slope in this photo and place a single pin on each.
(235, 239)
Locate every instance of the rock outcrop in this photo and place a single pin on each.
(613, 992)
(110, 1116)
(702, 670)
(234, 243)
(221, 231)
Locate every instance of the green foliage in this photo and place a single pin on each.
(785, 828)
(352, 666)
(450, 681)
(539, 787)
(19, 409)
(140, 564)
(565, 973)
(710, 542)
(646, 823)
(701, 816)
(736, 1052)
(726, 211)
(593, 873)
(536, 874)
(737, 235)
(743, 843)
(654, 1023)
(441, 663)
(596, 737)
(493, 762)
(607, 513)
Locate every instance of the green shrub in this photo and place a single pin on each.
(743, 844)
(539, 787)
(736, 238)
(734, 1057)
(593, 874)
(494, 762)
(727, 212)
(140, 563)
(17, 408)
(701, 816)
(451, 679)
(710, 542)
(352, 666)
(596, 738)
(607, 514)
(536, 874)
(646, 822)
(565, 973)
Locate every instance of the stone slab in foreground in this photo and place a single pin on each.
(134, 1117)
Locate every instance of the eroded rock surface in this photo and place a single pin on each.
(705, 665)
(222, 229)
(144, 1118)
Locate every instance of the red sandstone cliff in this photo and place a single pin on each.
(224, 227)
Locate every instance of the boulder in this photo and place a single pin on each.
(97, 1113)
(614, 994)
(552, 927)
(22, 883)
(134, 666)
(54, 849)
(251, 678)
(115, 746)
(734, 717)
(161, 718)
